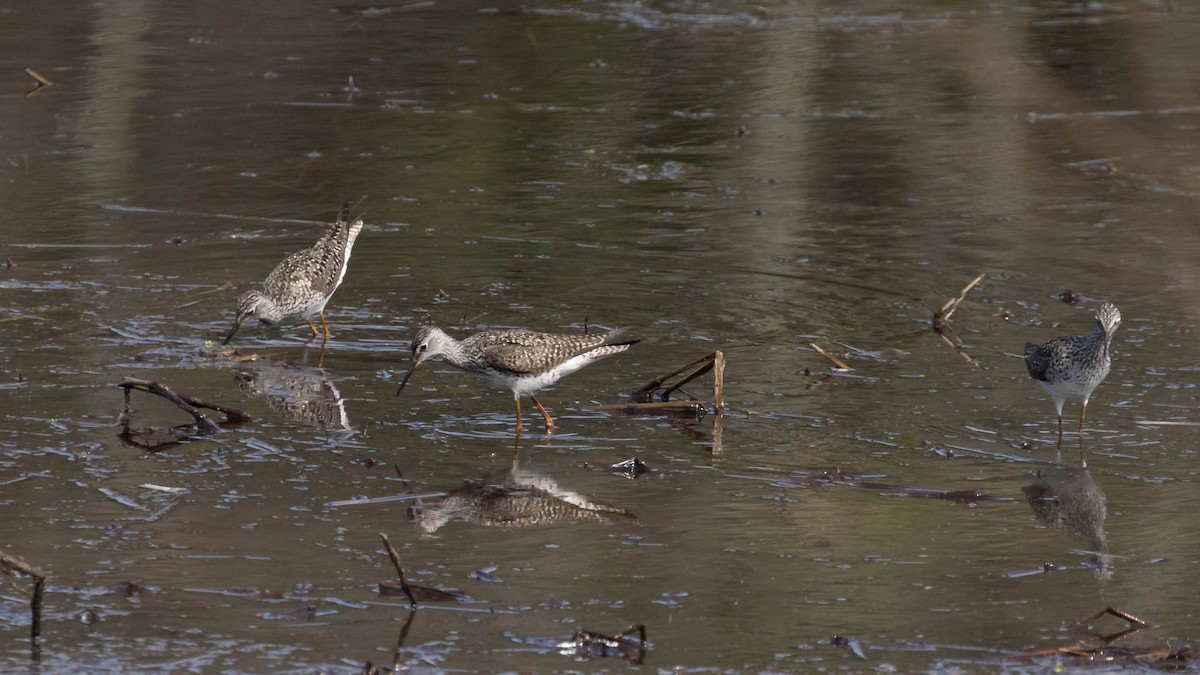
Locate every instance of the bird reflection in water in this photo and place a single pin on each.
(301, 394)
(1067, 498)
(519, 496)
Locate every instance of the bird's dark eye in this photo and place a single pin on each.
(422, 347)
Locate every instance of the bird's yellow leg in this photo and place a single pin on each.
(517, 400)
(313, 328)
(324, 326)
(545, 415)
(1082, 415)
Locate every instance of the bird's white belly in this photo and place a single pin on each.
(531, 384)
(316, 307)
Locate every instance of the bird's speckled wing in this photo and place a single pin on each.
(1037, 359)
(318, 268)
(332, 251)
(1040, 359)
(526, 351)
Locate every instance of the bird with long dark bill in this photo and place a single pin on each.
(522, 361)
(1071, 367)
(302, 284)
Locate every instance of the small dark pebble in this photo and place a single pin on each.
(87, 617)
(369, 462)
(1069, 296)
(742, 130)
(759, 212)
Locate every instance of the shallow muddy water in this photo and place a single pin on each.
(743, 177)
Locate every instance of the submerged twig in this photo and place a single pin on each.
(837, 363)
(395, 556)
(233, 416)
(41, 81)
(188, 404)
(11, 565)
(1135, 624)
(941, 320)
(941, 316)
(203, 425)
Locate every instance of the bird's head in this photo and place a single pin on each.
(252, 304)
(427, 344)
(1108, 317)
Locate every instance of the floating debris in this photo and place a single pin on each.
(1173, 658)
(848, 641)
(941, 320)
(838, 365)
(631, 468)
(158, 438)
(588, 644)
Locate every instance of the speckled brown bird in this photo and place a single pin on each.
(302, 284)
(522, 361)
(1073, 366)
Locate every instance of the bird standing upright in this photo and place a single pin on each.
(302, 284)
(522, 361)
(1073, 366)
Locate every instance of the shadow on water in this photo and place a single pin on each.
(519, 496)
(1067, 498)
(300, 394)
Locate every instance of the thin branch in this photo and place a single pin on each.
(837, 363)
(395, 556)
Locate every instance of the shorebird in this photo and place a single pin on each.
(1073, 366)
(304, 282)
(522, 361)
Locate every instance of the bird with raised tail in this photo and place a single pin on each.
(1071, 367)
(522, 361)
(302, 284)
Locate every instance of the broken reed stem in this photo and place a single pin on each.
(646, 391)
(718, 381)
(958, 349)
(837, 363)
(10, 564)
(953, 303)
(395, 556)
(37, 76)
(1120, 614)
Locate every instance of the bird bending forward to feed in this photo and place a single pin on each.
(304, 282)
(1073, 366)
(522, 361)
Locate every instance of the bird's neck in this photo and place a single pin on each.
(453, 352)
(268, 311)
